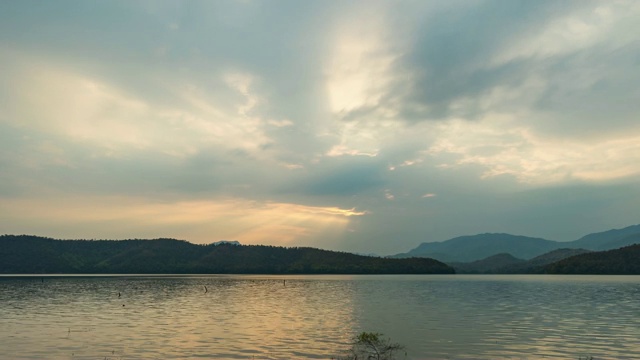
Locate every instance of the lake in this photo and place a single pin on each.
(285, 317)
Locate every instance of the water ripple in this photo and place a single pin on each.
(262, 317)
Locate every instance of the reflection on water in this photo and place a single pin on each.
(508, 316)
(263, 317)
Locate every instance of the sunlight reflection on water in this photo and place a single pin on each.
(243, 317)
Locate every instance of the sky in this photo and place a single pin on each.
(364, 126)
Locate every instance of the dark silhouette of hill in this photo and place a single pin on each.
(508, 264)
(623, 261)
(25, 254)
(489, 265)
(477, 247)
(537, 264)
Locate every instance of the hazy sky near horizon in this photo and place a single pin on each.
(367, 126)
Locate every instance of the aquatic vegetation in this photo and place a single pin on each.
(370, 345)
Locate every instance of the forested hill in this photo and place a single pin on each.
(623, 261)
(25, 254)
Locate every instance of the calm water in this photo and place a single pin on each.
(245, 317)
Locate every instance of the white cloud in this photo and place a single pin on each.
(201, 221)
(388, 195)
(504, 149)
(359, 67)
(361, 78)
(87, 109)
(580, 29)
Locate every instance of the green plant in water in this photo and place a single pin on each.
(368, 345)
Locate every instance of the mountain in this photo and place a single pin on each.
(37, 255)
(623, 261)
(477, 247)
(537, 264)
(606, 240)
(491, 265)
(508, 264)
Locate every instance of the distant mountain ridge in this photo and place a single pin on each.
(491, 265)
(23, 254)
(606, 240)
(478, 247)
(507, 264)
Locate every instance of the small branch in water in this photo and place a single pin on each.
(205, 289)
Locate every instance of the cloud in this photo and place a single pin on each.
(346, 179)
(207, 220)
(84, 109)
(333, 124)
(560, 67)
(504, 149)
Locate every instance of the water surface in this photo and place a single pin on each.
(283, 317)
